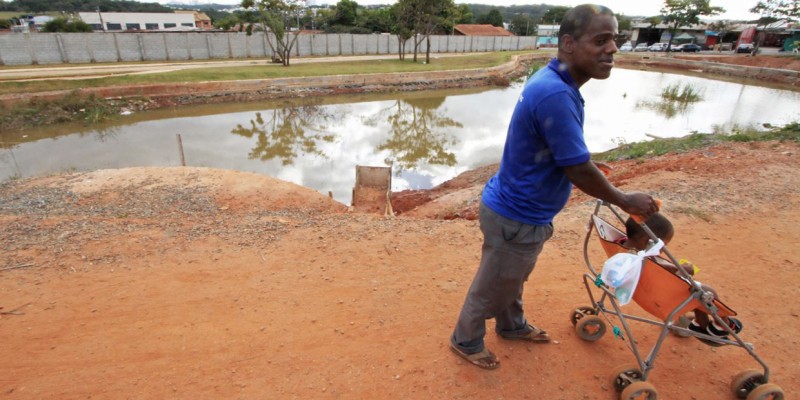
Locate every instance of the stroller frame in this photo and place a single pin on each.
(631, 380)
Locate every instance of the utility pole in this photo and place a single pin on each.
(102, 24)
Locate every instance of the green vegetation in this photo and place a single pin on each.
(64, 25)
(263, 72)
(657, 147)
(674, 100)
(74, 107)
(681, 93)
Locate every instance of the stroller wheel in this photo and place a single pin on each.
(745, 382)
(591, 328)
(624, 375)
(580, 312)
(767, 391)
(639, 390)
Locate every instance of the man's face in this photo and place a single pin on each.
(593, 53)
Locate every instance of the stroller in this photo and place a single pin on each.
(668, 297)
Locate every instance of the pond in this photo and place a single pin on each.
(427, 137)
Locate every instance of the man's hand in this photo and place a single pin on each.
(640, 204)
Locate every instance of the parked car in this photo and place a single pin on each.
(640, 47)
(657, 47)
(627, 46)
(687, 48)
(744, 48)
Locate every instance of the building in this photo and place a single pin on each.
(201, 20)
(120, 22)
(547, 30)
(480, 30)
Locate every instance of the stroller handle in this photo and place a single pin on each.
(639, 218)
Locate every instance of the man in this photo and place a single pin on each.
(544, 155)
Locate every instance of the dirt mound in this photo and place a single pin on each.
(703, 175)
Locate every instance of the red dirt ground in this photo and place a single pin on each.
(196, 283)
(780, 62)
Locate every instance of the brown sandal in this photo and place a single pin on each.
(536, 335)
(483, 359)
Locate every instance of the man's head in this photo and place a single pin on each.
(586, 42)
(637, 237)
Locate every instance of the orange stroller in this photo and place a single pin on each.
(665, 295)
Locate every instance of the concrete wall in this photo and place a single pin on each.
(77, 48)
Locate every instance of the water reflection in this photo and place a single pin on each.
(430, 137)
(417, 133)
(674, 99)
(287, 132)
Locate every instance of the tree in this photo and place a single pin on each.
(554, 15)
(778, 9)
(677, 13)
(226, 23)
(462, 14)
(722, 27)
(377, 20)
(276, 15)
(345, 12)
(422, 18)
(64, 25)
(772, 11)
(521, 25)
(492, 18)
(402, 27)
(625, 23)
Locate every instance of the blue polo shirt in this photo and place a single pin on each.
(545, 134)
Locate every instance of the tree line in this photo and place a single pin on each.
(73, 6)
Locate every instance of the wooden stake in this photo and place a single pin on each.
(180, 149)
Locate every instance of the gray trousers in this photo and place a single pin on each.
(509, 253)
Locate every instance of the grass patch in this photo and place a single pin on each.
(74, 107)
(675, 99)
(269, 71)
(681, 94)
(91, 109)
(657, 147)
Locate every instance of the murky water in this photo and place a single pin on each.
(428, 137)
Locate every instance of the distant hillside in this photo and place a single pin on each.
(534, 11)
(205, 6)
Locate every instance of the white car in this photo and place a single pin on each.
(626, 47)
(657, 47)
(640, 47)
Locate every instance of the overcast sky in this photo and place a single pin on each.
(735, 9)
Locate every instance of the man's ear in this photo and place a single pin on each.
(567, 44)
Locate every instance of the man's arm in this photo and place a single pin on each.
(588, 178)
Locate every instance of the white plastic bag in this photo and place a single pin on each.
(622, 271)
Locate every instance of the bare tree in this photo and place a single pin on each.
(423, 18)
(275, 16)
